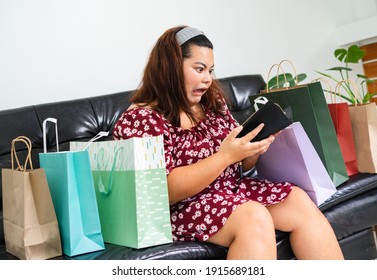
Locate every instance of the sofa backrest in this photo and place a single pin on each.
(81, 119)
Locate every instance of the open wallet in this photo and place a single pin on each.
(269, 113)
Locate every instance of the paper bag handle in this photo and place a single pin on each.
(261, 100)
(357, 94)
(329, 89)
(98, 136)
(101, 187)
(277, 76)
(293, 66)
(27, 142)
(55, 121)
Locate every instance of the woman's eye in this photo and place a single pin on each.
(200, 69)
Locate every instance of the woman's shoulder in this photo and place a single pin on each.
(139, 122)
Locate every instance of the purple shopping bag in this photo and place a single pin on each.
(293, 158)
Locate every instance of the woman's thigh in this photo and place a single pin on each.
(294, 210)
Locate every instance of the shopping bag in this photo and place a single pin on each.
(131, 187)
(340, 116)
(307, 105)
(31, 228)
(71, 184)
(364, 129)
(293, 158)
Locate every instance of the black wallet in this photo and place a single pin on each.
(271, 115)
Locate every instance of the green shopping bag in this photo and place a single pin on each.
(131, 188)
(307, 104)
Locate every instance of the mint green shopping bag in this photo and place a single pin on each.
(131, 188)
(72, 190)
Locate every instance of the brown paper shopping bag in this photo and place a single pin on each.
(364, 129)
(30, 226)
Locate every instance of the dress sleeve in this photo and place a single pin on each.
(143, 122)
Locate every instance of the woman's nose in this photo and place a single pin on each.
(207, 78)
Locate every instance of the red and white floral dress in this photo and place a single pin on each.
(202, 215)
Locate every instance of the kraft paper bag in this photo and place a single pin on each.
(293, 158)
(364, 129)
(31, 228)
(72, 189)
(131, 189)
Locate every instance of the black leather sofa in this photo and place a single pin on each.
(352, 210)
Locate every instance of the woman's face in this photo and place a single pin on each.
(197, 72)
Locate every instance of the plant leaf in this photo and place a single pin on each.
(369, 96)
(324, 74)
(300, 77)
(362, 76)
(340, 68)
(273, 82)
(352, 55)
(340, 54)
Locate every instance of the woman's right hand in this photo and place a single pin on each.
(235, 149)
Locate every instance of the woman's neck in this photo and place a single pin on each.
(199, 113)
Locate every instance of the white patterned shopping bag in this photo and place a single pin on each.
(131, 188)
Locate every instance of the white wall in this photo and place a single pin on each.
(53, 50)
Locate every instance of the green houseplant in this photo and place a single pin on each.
(348, 56)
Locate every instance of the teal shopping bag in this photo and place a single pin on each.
(131, 188)
(72, 190)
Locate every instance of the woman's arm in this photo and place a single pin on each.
(186, 181)
(189, 180)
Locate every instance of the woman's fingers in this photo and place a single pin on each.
(233, 134)
(251, 135)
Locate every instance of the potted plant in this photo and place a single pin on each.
(348, 56)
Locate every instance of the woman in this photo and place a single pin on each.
(179, 98)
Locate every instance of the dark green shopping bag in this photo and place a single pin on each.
(307, 104)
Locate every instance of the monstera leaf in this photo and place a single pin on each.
(352, 55)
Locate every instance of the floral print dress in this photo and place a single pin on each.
(202, 215)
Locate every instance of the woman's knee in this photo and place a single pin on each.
(252, 216)
(301, 200)
(250, 220)
(295, 211)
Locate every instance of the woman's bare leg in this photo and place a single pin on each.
(248, 233)
(311, 235)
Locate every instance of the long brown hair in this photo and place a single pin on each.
(163, 88)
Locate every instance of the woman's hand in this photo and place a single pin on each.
(235, 149)
(186, 181)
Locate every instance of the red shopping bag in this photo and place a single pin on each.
(340, 115)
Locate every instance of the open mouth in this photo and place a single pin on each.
(199, 91)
